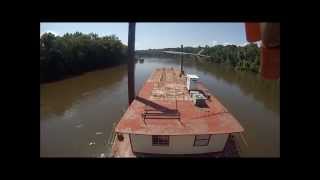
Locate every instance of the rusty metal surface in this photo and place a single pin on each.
(165, 92)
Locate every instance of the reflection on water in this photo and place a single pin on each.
(77, 114)
(59, 96)
(251, 84)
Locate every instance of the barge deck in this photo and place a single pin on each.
(164, 107)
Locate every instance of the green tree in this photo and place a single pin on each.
(74, 53)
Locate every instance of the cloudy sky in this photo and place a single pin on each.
(159, 35)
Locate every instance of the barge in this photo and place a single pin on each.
(175, 115)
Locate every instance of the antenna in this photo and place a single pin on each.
(182, 72)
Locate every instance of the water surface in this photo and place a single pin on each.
(78, 114)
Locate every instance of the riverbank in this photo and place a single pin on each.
(77, 53)
(242, 58)
(68, 76)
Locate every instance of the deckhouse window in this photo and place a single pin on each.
(160, 140)
(201, 140)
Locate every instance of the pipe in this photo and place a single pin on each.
(131, 64)
(182, 72)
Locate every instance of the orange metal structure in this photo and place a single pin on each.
(269, 34)
(253, 32)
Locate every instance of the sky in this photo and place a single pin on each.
(159, 35)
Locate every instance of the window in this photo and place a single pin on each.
(201, 140)
(160, 140)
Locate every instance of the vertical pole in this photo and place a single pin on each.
(131, 43)
(181, 60)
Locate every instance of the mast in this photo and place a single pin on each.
(182, 72)
(131, 43)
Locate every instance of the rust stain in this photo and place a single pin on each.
(169, 110)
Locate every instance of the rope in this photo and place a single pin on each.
(243, 139)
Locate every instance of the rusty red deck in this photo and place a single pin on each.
(165, 92)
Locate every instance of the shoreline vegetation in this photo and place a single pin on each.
(73, 54)
(76, 53)
(241, 58)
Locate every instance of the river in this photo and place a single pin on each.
(77, 114)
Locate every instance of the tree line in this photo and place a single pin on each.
(244, 58)
(75, 53)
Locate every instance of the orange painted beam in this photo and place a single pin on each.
(253, 33)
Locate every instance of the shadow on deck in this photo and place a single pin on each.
(154, 106)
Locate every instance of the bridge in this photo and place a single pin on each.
(268, 33)
(184, 53)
